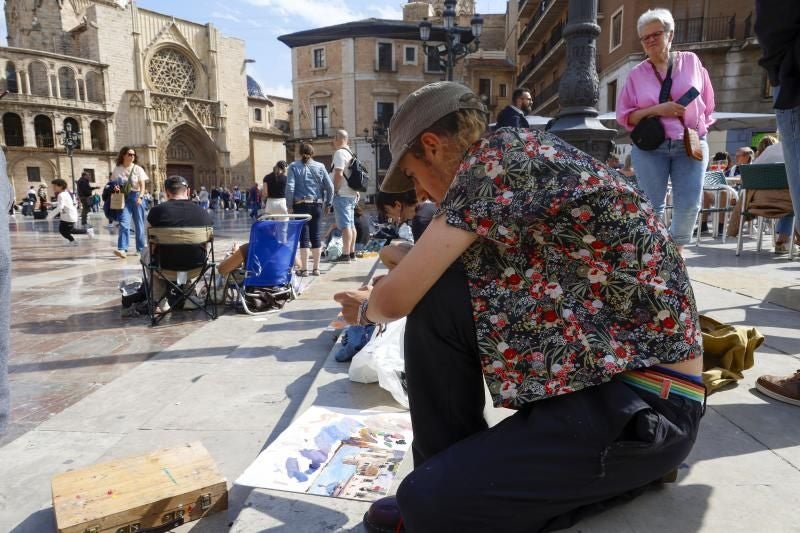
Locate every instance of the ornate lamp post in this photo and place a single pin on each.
(578, 89)
(452, 49)
(377, 141)
(70, 140)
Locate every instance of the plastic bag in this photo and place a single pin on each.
(404, 232)
(381, 360)
(334, 249)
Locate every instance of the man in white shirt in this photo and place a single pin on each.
(344, 198)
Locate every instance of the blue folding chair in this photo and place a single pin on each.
(268, 267)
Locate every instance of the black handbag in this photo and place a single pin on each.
(648, 134)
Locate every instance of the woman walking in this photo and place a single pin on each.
(130, 179)
(308, 189)
(660, 87)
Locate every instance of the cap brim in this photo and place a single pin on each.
(396, 180)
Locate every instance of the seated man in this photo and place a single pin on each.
(177, 212)
(403, 207)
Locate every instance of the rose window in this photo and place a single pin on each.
(172, 73)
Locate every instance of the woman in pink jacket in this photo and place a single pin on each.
(641, 97)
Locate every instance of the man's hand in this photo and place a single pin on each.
(350, 301)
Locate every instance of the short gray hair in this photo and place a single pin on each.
(656, 15)
(341, 135)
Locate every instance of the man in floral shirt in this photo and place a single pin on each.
(569, 290)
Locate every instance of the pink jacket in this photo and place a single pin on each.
(642, 88)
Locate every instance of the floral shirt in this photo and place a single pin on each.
(574, 278)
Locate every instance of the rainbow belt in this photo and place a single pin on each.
(663, 384)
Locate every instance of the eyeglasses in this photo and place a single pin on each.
(654, 35)
(132, 154)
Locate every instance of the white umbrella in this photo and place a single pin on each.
(537, 122)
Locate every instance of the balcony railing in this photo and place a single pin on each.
(538, 57)
(531, 25)
(546, 94)
(315, 133)
(702, 29)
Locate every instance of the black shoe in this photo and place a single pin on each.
(383, 516)
(353, 256)
(344, 259)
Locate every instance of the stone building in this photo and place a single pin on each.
(720, 32)
(174, 90)
(354, 76)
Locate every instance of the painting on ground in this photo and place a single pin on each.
(341, 453)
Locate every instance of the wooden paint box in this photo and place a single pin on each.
(154, 492)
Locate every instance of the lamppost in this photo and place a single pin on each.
(578, 91)
(377, 141)
(70, 140)
(452, 49)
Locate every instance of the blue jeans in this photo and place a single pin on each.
(669, 163)
(132, 211)
(789, 128)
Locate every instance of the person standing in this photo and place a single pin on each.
(274, 190)
(641, 98)
(344, 198)
(130, 179)
(43, 200)
(67, 213)
(6, 199)
(237, 198)
(254, 200)
(513, 115)
(85, 191)
(308, 189)
(202, 197)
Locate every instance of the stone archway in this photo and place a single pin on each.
(189, 153)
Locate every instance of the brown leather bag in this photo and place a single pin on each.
(691, 142)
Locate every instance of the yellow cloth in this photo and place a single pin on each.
(727, 351)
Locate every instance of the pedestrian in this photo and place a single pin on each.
(237, 198)
(254, 200)
(6, 198)
(308, 189)
(147, 201)
(85, 191)
(112, 215)
(653, 89)
(43, 200)
(95, 202)
(274, 190)
(225, 197)
(344, 198)
(517, 285)
(202, 197)
(513, 115)
(131, 179)
(67, 213)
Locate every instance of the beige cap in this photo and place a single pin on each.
(419, 111)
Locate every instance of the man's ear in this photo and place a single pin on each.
(431, 144)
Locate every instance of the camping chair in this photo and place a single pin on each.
(715, 182)
(184, 282)
(269, 265)
(770, 176)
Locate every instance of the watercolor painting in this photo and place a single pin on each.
(341, 453)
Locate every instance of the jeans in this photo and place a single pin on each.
(311, 236)
(789, 128)
(543, 468)
(135, 212)
(669, 163)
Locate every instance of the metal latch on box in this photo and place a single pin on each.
(205, 501)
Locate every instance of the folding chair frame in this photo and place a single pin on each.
(154, 270)
(715, 182)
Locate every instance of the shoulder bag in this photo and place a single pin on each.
(648, 134)
(118, 197)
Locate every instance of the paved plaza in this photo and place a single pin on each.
(89, 386)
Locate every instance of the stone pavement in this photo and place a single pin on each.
(236, 383)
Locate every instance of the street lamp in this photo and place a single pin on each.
(377, 141)
(70, 140)
(452, 49)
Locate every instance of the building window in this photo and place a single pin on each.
(34, 174)
(384, 112)
(12, 129)
(74, 125)
(385, 57)
(432, 61)
(171, 72)
(612, 96)
(485, 90)
(616, 31)
(257, 114)
(319, 57)
(11, 78)
(43, 130)
(410, 55)
(321, 120)
(503, 90)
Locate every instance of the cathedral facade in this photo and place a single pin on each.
(174, 90)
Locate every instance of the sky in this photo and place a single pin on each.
(260, 22)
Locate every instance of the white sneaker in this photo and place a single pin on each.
(72, 243)
(90, 233)
(122, 254)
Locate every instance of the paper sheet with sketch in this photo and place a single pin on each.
(343, 453)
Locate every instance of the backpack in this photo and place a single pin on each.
(358, 179)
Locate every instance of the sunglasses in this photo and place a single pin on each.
(132, 154)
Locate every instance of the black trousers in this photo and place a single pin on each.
(67, 230)
(86, 206)
(541, 469)
(311, 236)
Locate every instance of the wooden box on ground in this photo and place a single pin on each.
(165, 488)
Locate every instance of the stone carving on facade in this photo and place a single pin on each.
(172, 73)
(180, 152)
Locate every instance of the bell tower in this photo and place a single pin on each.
(463, 7)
